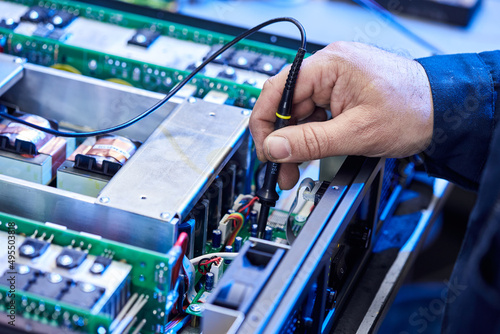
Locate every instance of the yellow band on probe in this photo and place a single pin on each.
(284, 117)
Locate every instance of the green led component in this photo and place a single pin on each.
(146, 267)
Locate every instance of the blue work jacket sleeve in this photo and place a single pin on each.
(464, 92)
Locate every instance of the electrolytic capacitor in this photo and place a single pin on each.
(209, 281)
(268, 233)
(253, 230)
(253, 216)
(216, 238)
(237, 244)
(228, 249)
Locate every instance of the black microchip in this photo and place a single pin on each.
(61, 19)
(144, 38)
(269, 65)
(70, 258)
(100, 264)
(37, 14)
(32, 248)
(50, 285)
(83, 295)
(21, 277)
(43, 30)
(8, 24)
(221, 59)
(244, 59)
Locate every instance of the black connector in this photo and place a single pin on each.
(267, 194)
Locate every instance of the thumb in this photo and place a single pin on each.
(346, 134)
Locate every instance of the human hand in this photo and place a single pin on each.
(381, 106)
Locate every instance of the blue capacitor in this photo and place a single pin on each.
(253, 216)
(268, 233)
(253, 230)
(209, 281)
(238, 241)
(228, 249)
(216, 238)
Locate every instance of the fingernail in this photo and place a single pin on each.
(278, 147)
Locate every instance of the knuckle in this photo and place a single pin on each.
(312, 145)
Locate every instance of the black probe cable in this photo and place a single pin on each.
(172, 92)
(267, 194)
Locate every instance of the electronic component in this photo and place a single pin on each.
(107, 279)
(21, 277)
(277, 219)
(70, 258)
(32, 248)
(61, 19)
(83, 294)
(100, 264)
(209, 281)
(50, 285)
(269, 65)
(216, 238)
(144, 38)
(253, 230)
(238, 241)
(22, 139)
(57, 34)
(268, 233)
(30, 154)
(200, 216)
(90, 167)
(253, 216)
(8, 24)
(106, 155)
(218, 98)
(223, 58)
(43, 30)
(227, 73)
(37, 14)
(243, 59)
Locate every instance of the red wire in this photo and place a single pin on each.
(182, 241)
(249, 204)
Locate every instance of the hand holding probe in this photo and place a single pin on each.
(267, 194)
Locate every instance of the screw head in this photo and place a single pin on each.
(245, 112)
(165, 215)
(335, 188)
(27, 249)
(191, 100)
(88, 287)
(97, 268)
(104, 199)
(195, 308)
(22, 270)
(54, 278)
(65, 260)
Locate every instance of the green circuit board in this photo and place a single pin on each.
(149, 277)
(119, 67)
